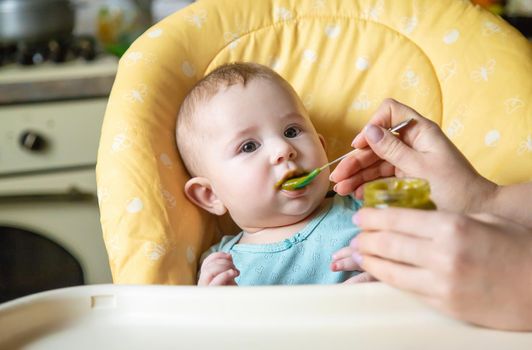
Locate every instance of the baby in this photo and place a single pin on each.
(241, 131)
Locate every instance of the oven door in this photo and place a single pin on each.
(50, 234)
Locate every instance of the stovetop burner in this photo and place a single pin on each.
(56, 50)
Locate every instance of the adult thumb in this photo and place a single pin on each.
(390, 148)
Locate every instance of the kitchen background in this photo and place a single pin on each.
(58, 59)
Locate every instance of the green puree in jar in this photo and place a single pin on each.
(398, 192)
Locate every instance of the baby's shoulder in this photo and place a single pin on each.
(225, 245)
(348, 202)
(227, 242)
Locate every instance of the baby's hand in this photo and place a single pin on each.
(218, 270)
(342, 260)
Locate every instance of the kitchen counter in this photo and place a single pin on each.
(49, 81)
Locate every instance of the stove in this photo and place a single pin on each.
(50, 119)
(71, 79)
(57, 50)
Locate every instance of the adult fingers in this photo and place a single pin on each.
(397, 247)
(345, 252)
(390, 112)
(359, 192)
(349, 166)
(489, 218)
(413, 279)
(363, 277)
(376, 171)
(390, 148)
(415, 222)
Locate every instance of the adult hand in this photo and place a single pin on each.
(476, 268)
(218, 270)
(423, 152)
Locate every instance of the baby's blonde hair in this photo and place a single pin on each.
(187, 132)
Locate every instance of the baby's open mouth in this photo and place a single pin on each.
(291, 174)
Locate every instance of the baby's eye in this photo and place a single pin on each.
(250, 146)
(292, 132)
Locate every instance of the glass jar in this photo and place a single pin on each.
(398, 192)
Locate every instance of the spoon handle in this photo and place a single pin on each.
(393, 129)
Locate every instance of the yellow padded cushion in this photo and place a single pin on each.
(462, 67)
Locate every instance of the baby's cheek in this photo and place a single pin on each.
(245, 187)
(256, 191)
(249, 185)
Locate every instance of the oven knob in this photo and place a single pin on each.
(32, 141)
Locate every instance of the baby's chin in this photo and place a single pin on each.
(291, 214)
(302, 202)
(294, 207)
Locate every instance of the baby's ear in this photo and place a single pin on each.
(199, 191)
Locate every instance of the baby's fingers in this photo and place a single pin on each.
(345, 264)
(217, 256)
(226, 278)
(342, 260)
(211, 269)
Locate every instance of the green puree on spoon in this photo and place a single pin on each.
(300, 182)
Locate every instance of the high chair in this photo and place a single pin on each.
(456, 64)
(453, 62)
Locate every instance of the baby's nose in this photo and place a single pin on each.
(283, 152)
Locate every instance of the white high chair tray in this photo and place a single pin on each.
(366, 316)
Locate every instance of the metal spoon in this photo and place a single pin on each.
(302, 181)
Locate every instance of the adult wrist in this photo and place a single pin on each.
(521, 288)
(482, 196)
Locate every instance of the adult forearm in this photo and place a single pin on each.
(513, 202)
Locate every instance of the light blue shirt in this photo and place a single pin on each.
(304, 258)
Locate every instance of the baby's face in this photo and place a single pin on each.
(257, 136)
